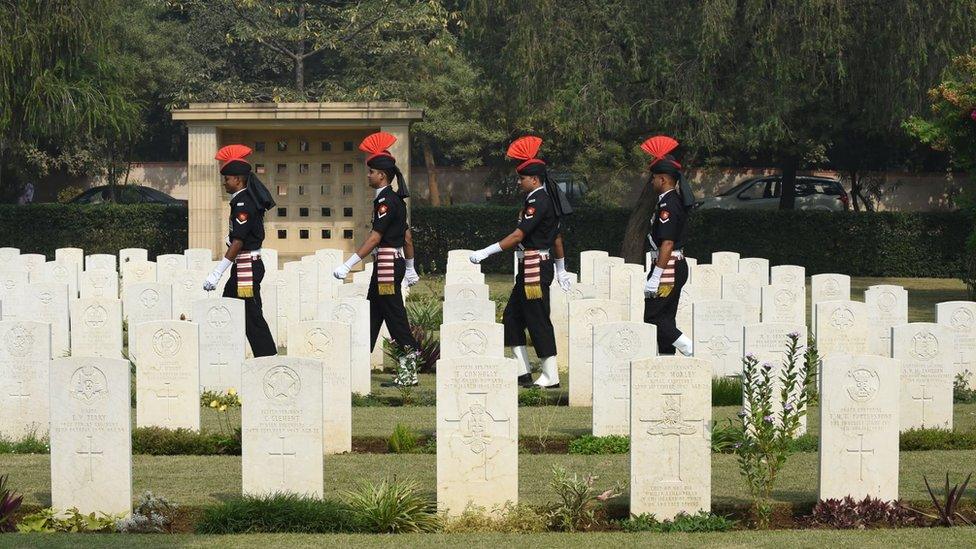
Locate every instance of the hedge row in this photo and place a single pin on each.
(898, 244)
(103, 228)
(895, 244)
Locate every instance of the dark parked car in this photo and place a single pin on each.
(125, 194)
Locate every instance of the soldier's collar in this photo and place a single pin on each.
(233, 196)
(379, 191)
(533, 191)
(661, 197)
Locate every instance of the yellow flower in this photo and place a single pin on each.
(213, 403)
(223, 408)
(232, 391)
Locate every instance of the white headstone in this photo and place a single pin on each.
(128, 255)
(287, 287)
(859, 427)
(602, 272)
(477, 432)
(670, 448)
(354, 312)
(356, 289)
(147, 301)
(136, 271)
(469, 310)
(615, 346)
(842, 327)
(13, 293)
(91, 435)
(718, 335)
(307, 287)
(726, 262)
(926, 351)
(96, 327)
(329, 342)
(281, 426)
(461, 339)
(61, 272)
(886, 306)
(222, 342)
(168, 265)
(784, 303)
(269, 303)
(48, 302)
(106, 262)
(559, 315)
(683, 317)
(960, 317)
(457, 260)
(465, 291)
(9, 255)
(168, 374)
(829, 287)
(584, 314)
(25, 363)
(756, 267)
(199, 259)
(74, 256)
(464, 277)
(627, 287)
(363, 276)
(99, 283)
(32, 263)
(269, 257)
(789, 275)
(707, 280)
(188, 288)
(746, 289)
(587, 266)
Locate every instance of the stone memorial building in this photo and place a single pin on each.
(306, 154)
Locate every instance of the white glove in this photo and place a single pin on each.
(484, 253)
(211, 283)
(653, 283)
(342, 271)
(410, 275)
(564, 279)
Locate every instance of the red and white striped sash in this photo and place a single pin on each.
(245, 275)
(385, 277)
(532, 274)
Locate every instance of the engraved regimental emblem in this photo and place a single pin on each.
(88, 385)
(862, 384)
(281, 384)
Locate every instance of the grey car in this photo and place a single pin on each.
(763, 193)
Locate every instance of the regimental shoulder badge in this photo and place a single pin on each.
(381, 210)
(241, 217)
(664, 216)
(529, 212)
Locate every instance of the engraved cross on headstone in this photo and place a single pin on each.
(475, 422)
(860, 451)
(20, 394)
(91, 454)
(963, 363)
(923, 399)
(671, 424)
(168, 396)
(218, 365)
(282, 454)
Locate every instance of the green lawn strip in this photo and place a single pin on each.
(200, 480)
(908, 537)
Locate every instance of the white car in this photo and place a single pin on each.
(762, 193)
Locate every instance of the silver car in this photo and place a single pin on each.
(762, 193)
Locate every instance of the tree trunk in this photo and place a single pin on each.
(635, 236)
(787, 195)
(434, 191)
(855, 191)
(300, 55)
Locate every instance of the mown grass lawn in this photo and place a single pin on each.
(780, 539)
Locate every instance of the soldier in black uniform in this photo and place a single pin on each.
(392, 245)
(541, 257)
(667, 239)
(248, 201)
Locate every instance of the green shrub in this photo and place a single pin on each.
(916, 244)
(726, 391)
(962, 393)
(10, 502)
(157, 441)
(508, 519)
(806, 443)
(403, 440)
(280, 513)
(49, 520)
(591, 445)
(533, 396)
(101, 228)
(699, 522)
(392, 507)
(580, 506)
(30, 444)
(368, 401)
(936, 439)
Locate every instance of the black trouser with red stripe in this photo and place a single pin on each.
(255, 326)
(661, 311)
(523, 314)
(389, 309)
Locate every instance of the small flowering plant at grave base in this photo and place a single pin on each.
(767, 434)
(221, 402)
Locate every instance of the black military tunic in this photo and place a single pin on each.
(247, 225)
(390, 220)
(670, 223)
(540, 224)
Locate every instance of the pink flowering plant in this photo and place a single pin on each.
(772, 409)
